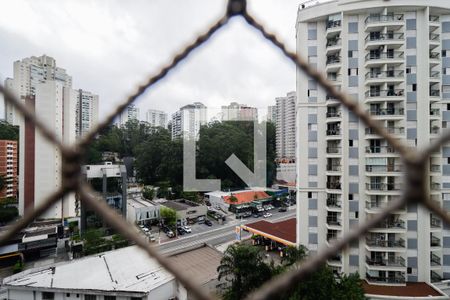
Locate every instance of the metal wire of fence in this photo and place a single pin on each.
(415, 161)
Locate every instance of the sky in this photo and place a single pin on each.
(109, 47)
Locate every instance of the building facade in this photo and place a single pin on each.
(188, 120)
(156, 118)
(391, 57)
(132, 112)
(239, 112)
(8, 168)
(40, 161)
(86, 112)
(285, 126)
(272, 113)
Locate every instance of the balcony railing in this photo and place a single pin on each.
(334, 24)
(435, 111)
(333, 150)
(385, 74)
(400, 243)
(400, 224)
(434, 74)
(333, 42)
(332, 202)
(435, 242)
(384, 18)
(435, 260)
(334, 78)
(333, 114)
(435, 222)
(333, 60)
(378, 279)
(435, 93)
(435, 277)
(333, 221)
(390, 262)
(432, 18)
(434, 130)
(380, 149)
(383, 186)
(385, 93)
(387, 112)
(334, 168)
(384, 37)
(384, 168)
(384, 55)
(435, 186)
(333, 185)
(393, 130)
(434, 37)
(435, 168)
(334, 131)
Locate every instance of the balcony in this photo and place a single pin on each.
(333, 202)
(385, 93)
(398, 279)
(333, 114)
(333, 42)
(391, 74)
(333, 131)
(435, 186)
(391, 224)
(435, 93)
(435, 277)
(434, 37)
(334, 185)
(384, 38)
(435, 222)
(384, 168)
(435, 242)
(371, 242)
(333, 221)
(435, 168)
(435, 260)
(435, 112)
(390, 18)
(384, 55)
(382, 262)
(434, 130)
(392, 130)
(380, 149)
(334, 168)
(334, 24)
(333, 150)
(386, 112)
(435, 74)
(434, 55)
(433, 18)
(383, 186)
(334, 59)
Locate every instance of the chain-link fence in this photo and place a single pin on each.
(416, 189)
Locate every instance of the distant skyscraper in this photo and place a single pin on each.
(8, 168)
(188, 120)
(86, 112)
(130, 113)
(285, 126)
(239, 112)
(272, 113)
(156, 118)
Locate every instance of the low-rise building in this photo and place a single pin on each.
(187, 211)
(141, 211)
(238, 200)
(127, 273)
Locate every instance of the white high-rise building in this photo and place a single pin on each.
(272, 113)
(156, 118)
(132, 112)
(391, 57)
(188, 120)
(28, 73)
(285, 126)
(86, 112)
(41, 161)
(239, 112)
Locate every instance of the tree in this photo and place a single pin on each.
(8, 131)
(293, 255)
(2, 182)
(243, 266)
(148, 193)
(168, 215)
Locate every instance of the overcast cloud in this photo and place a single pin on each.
(108, 47)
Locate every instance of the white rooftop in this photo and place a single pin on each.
(128, 269)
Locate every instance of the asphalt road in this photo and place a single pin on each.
(218, 234)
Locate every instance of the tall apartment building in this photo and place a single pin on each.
(391, 57)
(188, 120)
(28, 73)
(86, 112)
(239, 112)
(156, 118)
(272, 113)
(285, 126)
(8, 168)
(132, 112)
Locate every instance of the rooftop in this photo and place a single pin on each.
(245, 197)
(128, 269)
(138, 202)
(179, 204)
(411, 289)
(284, 232)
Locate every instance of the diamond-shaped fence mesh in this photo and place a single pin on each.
(416, 189)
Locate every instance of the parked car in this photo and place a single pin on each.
(256, 215)
(201, 220)
(187, 229)
(152, 238)
(267, 214)
(145, 229)
(180, 231)
(170, 234)
(208, 222)
(282, 209)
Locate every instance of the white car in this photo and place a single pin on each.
(187, 229)
(267, 214)
(145, 229)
